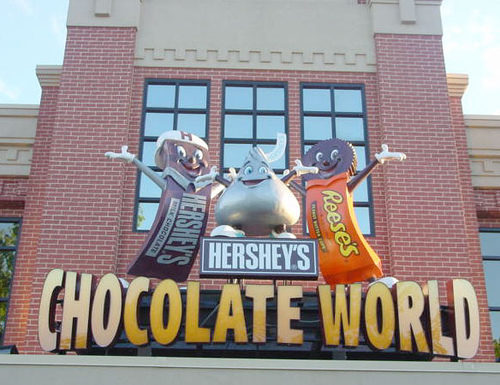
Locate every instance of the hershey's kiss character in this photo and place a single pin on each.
(173, 241)
(257, 202)
(345, 255)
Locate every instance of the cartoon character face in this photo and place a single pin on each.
(254, 172)
(332, 157)
(190, 160)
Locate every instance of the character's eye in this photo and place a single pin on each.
(334, 154)
(319, 156)
(181, 151)
(198, 154)
(263, 170)
(248, 170)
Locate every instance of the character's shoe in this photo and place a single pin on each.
(283, 234)
(387, 281)
(226, 231)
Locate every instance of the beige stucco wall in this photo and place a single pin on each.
(330, 35)
(17, 134)
(483, 142)
(54, 370)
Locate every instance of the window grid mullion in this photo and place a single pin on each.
(254, 115)
(176, 106)
(332, 112)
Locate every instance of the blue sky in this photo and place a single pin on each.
(33, 32)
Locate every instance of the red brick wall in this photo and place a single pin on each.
(471, 220)
(488, 207)
(80, 211)
(12, 192)
(30, 231)
(79, 205)
(430, 214)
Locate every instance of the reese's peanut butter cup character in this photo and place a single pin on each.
(173, 241)
(344, 254)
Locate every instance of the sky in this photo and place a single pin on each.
(33, 32)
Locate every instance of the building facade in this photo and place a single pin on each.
(236, 73)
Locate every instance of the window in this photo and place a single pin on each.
(338, 111)
(9, 233)
(253, 114)
(490, 249)
(168, 105)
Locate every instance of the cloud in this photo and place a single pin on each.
(25, 6)
(57, 24)
(11, 93)
(491, 77)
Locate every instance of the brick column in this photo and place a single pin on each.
(431, 234)
(30, 231)
(80, 217)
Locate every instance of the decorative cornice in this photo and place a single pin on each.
(457, 84)
(406, 17)
(482, 121)
(48, 75)
(357, 60)
(17, 135)
(19, 110)
(483, 144)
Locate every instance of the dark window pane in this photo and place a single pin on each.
(192, 123)
(239, 98)
(278, 164)
(238, 126)
(148, 188)
(363, 217)
(348, 101)
(271, 99)
(350, 128)
(495, 324)
(235, 154)
(361, 155)
(490, 244)
(146, 215)
(192, 97)
(316, 100)
(157, 123)
(148, 153)
(492, 277)
(161, 96)
(361, 192)
(269, 126)
(8, 233)
(317, 128)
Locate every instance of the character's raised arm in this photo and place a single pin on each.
(380, 158)
(298, 170)
(213, 176)
(131, 158)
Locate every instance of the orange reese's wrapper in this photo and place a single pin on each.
(344, 254)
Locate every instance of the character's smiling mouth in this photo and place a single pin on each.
(255, 182)
(252, 182)
(192, 169)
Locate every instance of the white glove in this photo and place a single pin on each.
(210, 177)
(300, 169)
(124, 155)
(232, 173)
(386, 155)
